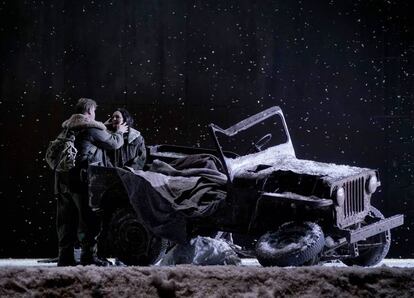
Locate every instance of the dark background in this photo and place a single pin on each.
(342, 71)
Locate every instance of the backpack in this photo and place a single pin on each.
(61, 152)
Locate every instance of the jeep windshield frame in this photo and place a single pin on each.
(244, 125)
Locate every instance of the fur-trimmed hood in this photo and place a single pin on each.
(81, 121)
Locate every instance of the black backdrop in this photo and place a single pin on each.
(342, 71)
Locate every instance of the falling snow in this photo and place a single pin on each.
(341, 71)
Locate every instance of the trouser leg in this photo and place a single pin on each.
(101, 238)
(88, 230)
(66, 226)
(88, 223)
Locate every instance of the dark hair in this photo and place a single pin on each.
(84, 104)
(127, 116)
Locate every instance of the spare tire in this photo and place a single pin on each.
(373, 249)
(131, 242)
(293, 244)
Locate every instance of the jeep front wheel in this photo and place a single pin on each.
(293, 244)
(374, 249)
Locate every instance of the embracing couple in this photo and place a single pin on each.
(113, 143)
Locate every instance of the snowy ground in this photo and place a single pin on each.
(27, 278)
(398, 263)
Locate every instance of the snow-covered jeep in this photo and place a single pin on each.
(287, 211)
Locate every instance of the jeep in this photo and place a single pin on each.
(280, 209)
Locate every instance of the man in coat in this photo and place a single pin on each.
(75, 219)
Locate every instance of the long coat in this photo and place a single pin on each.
(91, 139)
(132, 154)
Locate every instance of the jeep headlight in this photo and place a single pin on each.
(340, 196)
(372, 184)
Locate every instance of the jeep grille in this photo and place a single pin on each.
(354, 197)
(356, 203)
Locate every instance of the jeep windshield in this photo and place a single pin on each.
(257, 140)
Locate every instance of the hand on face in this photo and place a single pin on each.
(122, 128)
(108, 122)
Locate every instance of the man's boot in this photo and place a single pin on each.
(66, 257)
(88, 257)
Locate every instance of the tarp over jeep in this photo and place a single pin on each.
(166, 195)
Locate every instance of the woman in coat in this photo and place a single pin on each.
(133, 152)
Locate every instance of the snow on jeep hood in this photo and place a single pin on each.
(280, 158)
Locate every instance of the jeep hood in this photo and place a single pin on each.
(277, 159)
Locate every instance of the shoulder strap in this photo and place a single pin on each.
(66, 135)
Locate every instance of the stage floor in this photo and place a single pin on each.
(398, 263)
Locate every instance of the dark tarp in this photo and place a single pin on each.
(168, 194)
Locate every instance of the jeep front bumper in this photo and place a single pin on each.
(375, 228)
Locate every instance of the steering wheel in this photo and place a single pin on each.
(257, 147)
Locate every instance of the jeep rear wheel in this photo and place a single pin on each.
(374, 249)
(293, 244)
(130, 241)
